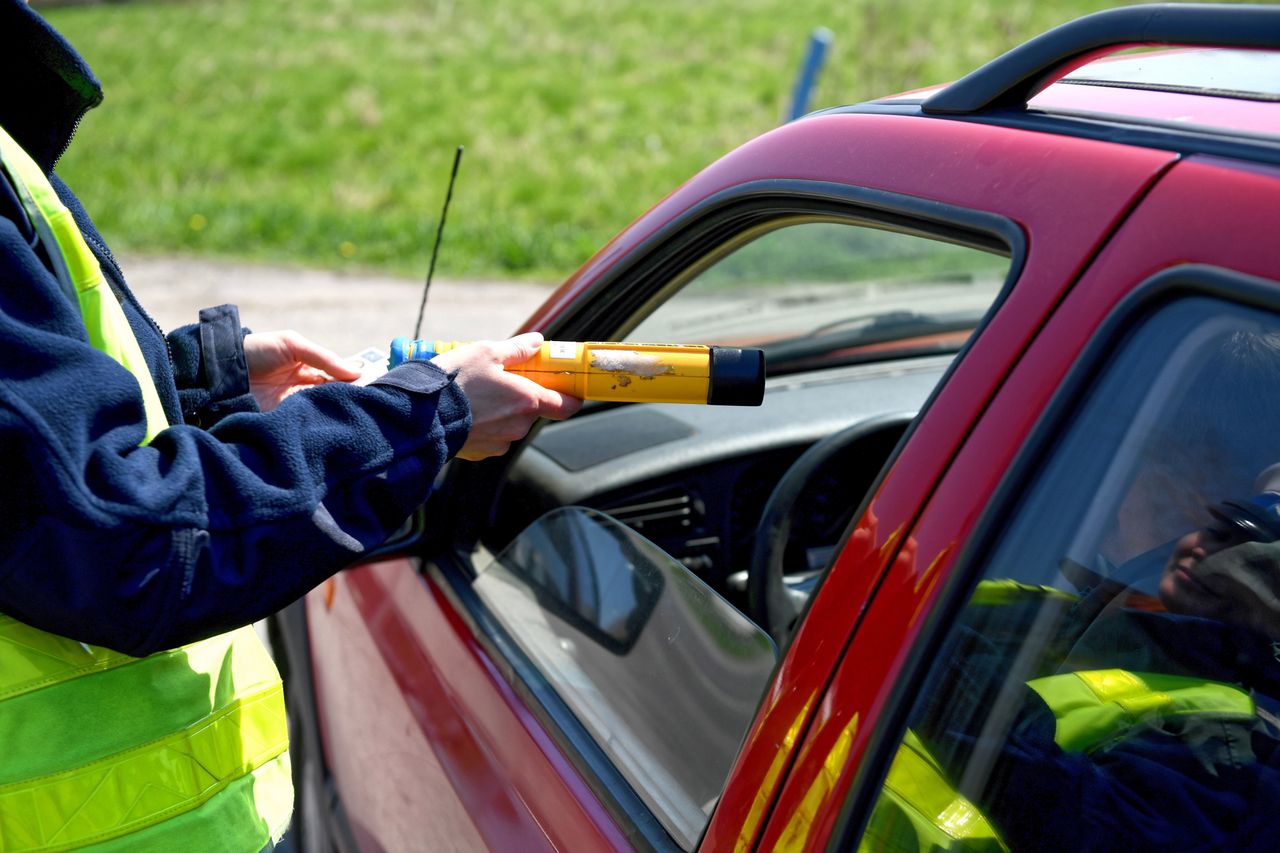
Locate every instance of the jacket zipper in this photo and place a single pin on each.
(104, 253)
(105, 256)
(66, 143)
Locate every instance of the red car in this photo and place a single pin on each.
(994, 566)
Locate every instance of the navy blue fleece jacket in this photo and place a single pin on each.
(224, 517)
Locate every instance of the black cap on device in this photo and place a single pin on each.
(737, 377)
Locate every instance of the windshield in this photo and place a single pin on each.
(833, 290)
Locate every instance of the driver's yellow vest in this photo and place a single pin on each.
(183, 750)
(919, 809)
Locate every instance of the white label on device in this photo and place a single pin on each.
(371, 363)
(564, 349)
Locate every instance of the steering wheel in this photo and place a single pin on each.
(778, 589)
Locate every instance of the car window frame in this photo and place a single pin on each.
(675, 254)
(1142, 302)
(669, 260)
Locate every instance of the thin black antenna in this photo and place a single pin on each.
(435, 250)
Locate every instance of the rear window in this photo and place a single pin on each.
(1237, 91)
(1251, 74)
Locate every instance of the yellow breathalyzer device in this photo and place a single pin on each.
(628, 373)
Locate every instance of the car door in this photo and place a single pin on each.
(1130, 432)
(435, 728)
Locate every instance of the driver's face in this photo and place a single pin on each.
(1220, 573)
(1183, 588)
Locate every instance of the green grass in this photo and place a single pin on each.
(321, 131)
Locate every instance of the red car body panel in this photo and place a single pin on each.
(350, 667)
(422, 681)
(1202, 212)
(1057, 236)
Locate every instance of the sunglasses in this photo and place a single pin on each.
(1254, 519)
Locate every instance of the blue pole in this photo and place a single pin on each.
(819, 41)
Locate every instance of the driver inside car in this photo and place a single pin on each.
(1173, 700)
(1080, 719)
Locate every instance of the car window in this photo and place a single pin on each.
(662, 673)
(1209, 71)
(1113, 680)
(814, 290)
(646, 686)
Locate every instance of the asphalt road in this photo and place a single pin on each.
(346, 312)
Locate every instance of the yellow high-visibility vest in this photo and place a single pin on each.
(182, 750)
(919, 809)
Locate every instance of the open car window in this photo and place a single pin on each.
(815, 292)
(662, 672)
(1113, 680)
(647, 687)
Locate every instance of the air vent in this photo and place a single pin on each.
(659, 515)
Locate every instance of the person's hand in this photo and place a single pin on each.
(282, 363)
(503, 405)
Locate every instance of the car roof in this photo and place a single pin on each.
(1230, 90)
(1217, 91)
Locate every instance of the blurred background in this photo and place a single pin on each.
(319, 134)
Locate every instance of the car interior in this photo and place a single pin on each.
(859, 319)
(646, 563)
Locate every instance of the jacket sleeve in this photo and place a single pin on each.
(145, 548)
(209, 366)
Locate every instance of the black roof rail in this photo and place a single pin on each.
(1009, 81)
